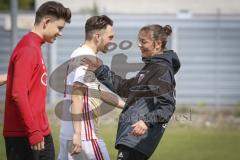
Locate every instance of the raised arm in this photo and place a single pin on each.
(109, 97)
(114, 82)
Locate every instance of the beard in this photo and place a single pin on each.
(103, 47)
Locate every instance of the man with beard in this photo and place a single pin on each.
(80, 138)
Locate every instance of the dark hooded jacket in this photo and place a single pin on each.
(150, 97)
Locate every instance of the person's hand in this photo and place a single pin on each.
(77, 144)
(92, 65)
(38, 146)
(3, 79)
(139, 128)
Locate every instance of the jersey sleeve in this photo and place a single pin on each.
(79, 75)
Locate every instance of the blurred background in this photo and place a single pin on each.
(206, 37)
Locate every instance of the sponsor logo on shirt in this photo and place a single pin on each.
(44, 75)
(141, 76)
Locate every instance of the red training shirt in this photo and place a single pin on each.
(25, 104)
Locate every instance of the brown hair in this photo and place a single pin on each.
(96, 23)
(158, 33)
(55, 9)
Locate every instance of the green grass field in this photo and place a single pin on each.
(178, 143)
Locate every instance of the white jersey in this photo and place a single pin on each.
(90, 113)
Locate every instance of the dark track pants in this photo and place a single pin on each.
(126, 153)
(18, 148)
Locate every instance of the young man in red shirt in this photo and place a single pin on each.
(26, 128)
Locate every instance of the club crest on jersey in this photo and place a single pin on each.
(44, 79)
(140, 78)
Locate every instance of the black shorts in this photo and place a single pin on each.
(18, 148)
(126, 153)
